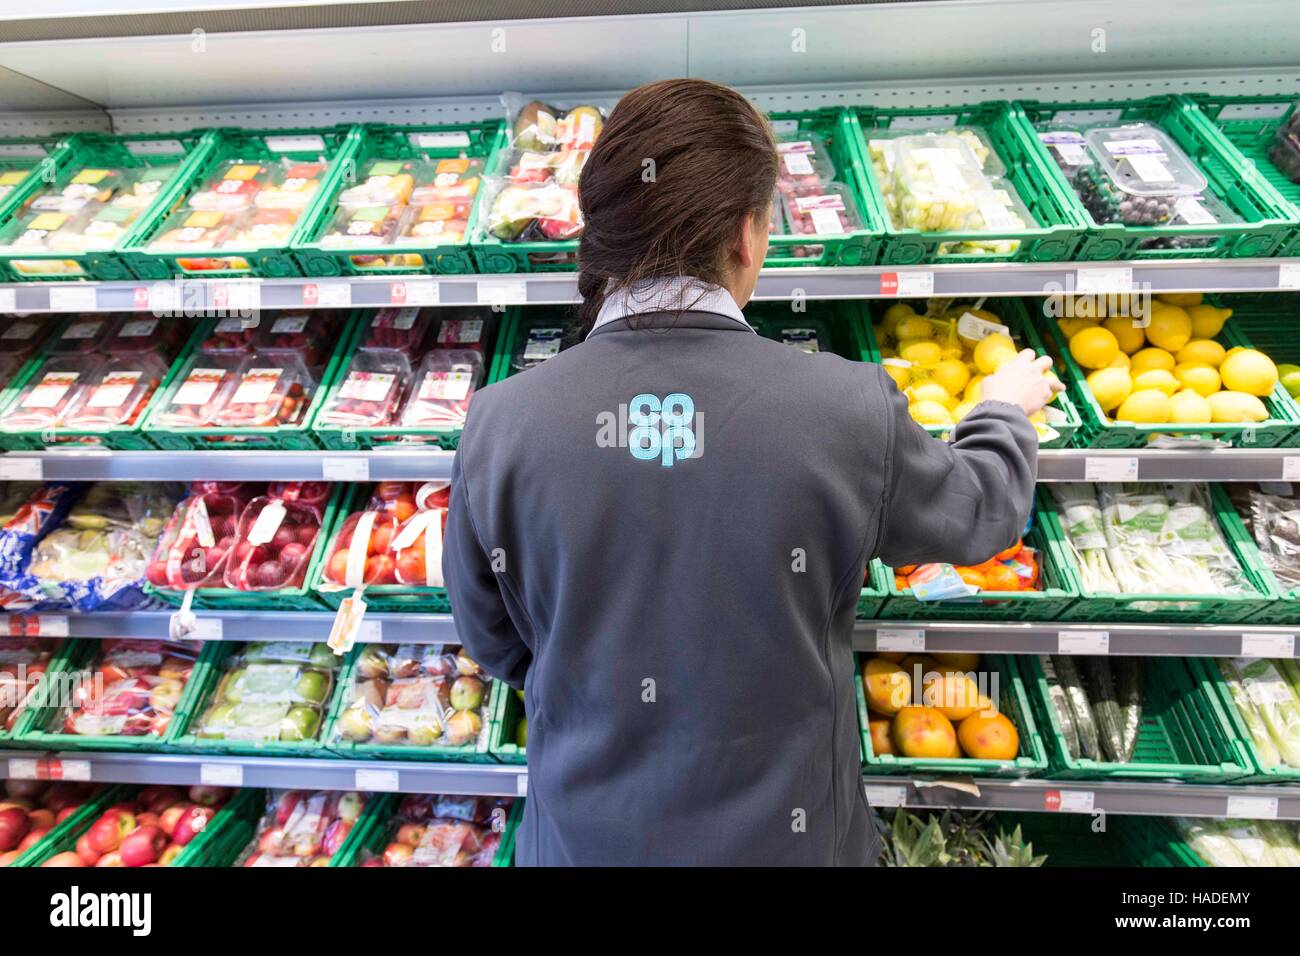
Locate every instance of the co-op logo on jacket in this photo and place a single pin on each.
(666, 429)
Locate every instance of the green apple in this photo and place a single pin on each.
(313, 686)
(299, 724)
(467, 693)
(1289, 376)
(521, 733)
(356, 724)
(424, 734)
(323, 657)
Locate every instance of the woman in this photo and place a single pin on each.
(660, 533)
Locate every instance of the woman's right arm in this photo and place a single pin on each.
(965, 500)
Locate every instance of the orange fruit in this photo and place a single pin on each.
(924, 732)
(1002, 578)
(888, 686)
(900, 583)
(1008, 553)
(905, 569)
(991, 737)
(881, 743)
(954, 695)
(972, 576)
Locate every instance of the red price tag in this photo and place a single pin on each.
(220, 297)
(140, 297)
(1052, 800)
(310, 294)
(889, 283)
(24, 625)
(397, 293)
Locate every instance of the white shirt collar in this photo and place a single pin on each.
(669, 295)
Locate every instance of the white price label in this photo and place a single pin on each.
(900, 639)
(1083, 642)
(295, 144)
(328, 293)
(72, 298)
(422, 292)
(206, 629)
(1291, 468)
(923, 121)
(1108, 279)
(242, 296)
(221, 774)
(521, 785)
(371, 632)
(8, 300)
(345, 469)
(454, 139)
(502, 291)
(1110, 468)
(1077, 801)
(1252, 808)
(52, 625)
(70, 770)
(908, 284)
(154, 147)
(885, 795)
(164, 298)
(20, 469)
(1258, 644)
(1288, 275)
(23, 768)
(378, 781)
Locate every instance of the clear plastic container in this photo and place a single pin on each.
(302, 828)
(22, 662)
(436, 830)
(280, 532)
(361, 551)
(803, 162)
(1142, 160)
(269, 700)
(48, 396)
(371, 391)
(311, 336)
(937, 183)
(233, 335)
(273, 391)
(131, 334)
(808, 335)
(417, 547)
(199, 539)
(201, 391)
(824, 209)
(1067, 147)
(1000, 210)
(543, 212)
(116, 392)
(463, 328)
(444, 384)
(403, 329)
(440, 704)
(540, 340)
(539, 126)
(387, 183)
(84, 335)
(20, 334)
(130, 688)
(364, 226)
(531, 168)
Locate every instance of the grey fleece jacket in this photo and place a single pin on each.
(675, 589)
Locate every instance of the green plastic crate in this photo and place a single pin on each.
(36, 701)
(1015, 316)
(516, 325)
(350, 439)
(1059, 586)
(116, 437)
(1054, 240)
(1069, 839)
(1267, 218)
(63, 837)
(378, 597)
(477, 752)
(204, 683)
(299, 437)
(1186, 608)
(507, 711)
(1099, 431)
(25, 162)
(1268, 322)
(42, 730)
(265, 260)
(78, 152)
(1249, 123)
(370, 840)
(380, 142)
(1258, 773)
(875, 588)
(300, 598)
(1011, 699)
(219, 843)
(1184, 734)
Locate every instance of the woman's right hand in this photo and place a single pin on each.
(1022, 382)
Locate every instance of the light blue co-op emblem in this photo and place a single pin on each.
(661, 429)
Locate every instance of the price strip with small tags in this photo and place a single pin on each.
(910, 639)
(20, 469)
(1069, 801)
(1291, 468)
(378, 781)
(1093, 643)
(1110, 468)
(57, 769)
(1103, 279)
(328, 293)
(221, 774)
(912, 284)
(72, 298)
(8, 300)
(503, 291)
(1288, 275)
(24, 768)
(51, 625)
(1252, 808)
(1265, 644)
(886, 795)
(345, 469)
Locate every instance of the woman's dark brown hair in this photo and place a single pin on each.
(675, 170)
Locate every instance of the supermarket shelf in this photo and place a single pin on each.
(237, 625)
(301, 773)
(415, 463)
(194, 296)
(1146, 798)
(1015, 637)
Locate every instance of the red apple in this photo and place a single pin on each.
(111, 859)
(7, 858)
(65, 813)
(107, 832)
(284, 535)
(41, 819)
(285, 806)
(191, 824)
(13, 827)
(335, 834)
(293, 554)
(172, 852)
(32, 837)
(85, 851)
(209, 796)
(146, 819)
(143, 846)
(156, 574)
(64, 859)
(410, 833)
(167, 819)
(398, 854)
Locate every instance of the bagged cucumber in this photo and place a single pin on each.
(1105, 707)
(1129, 672)
(1061, 705)
(1068, 677)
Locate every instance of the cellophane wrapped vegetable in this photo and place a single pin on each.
(444, 830)
(1273, 518)
(271, 691)
(1231, 843)
(303, 827)
(396, 539)
(23, 660)
(130, 688)
(444, 384)
(276, 536)
(415, 695)
(199, 538)
(1267, 695)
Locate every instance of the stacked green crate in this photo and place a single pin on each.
(239, 208)
(194, 362)
(1260, 219)
(508, 739)
(1059, 588)
(1054, 233)
(1264, 695)
(370, 239)
(1005, 687)
(1061, 416)
(227, 833)
(68, 220)
(25, 163)
(120, 437)
(1101, 431)
(1193, 608)
(1071, 839)
(1251, 124)
(1184, 732)
(367, 842)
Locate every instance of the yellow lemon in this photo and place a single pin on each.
(1110, 386)
(1145, 405)
(901, 374)
(1207, 321)
(1130, 337)
(1184, 299)
(1189, 408)
(1156, 378)
(972, 393)
(914, 327)
(952, 374)
(930, 413)
(897, 313)
(1072, 327)
(1248, 371)
(962, 410)
(1236, 407)
(1120, 361)
(922, 353)
(932, 392)
(1094, 348)
(1200, 378)
(1152, 358)
(1204, 351)
(993, 352)
(1170, 328)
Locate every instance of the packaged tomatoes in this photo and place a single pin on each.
(84, 334)
(46, 398)
(201, 390)
(371, 392)
(275, 537)
(403, 329)
(273, 390)
(462, 328)
(22, 662)
(303, 828)
(444, 384)
(396, 540)
(234, 334)
(116, 393)
(129, 688)
(444, 830)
